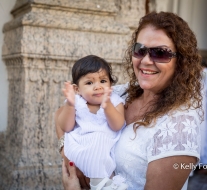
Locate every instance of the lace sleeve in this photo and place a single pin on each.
(116, 99)
(176, 135)
(120, 89)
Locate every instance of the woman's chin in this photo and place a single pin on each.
(146, 86)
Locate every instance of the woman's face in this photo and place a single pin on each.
(154, 76)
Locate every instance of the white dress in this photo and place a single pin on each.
(91, 144)
(175, 134)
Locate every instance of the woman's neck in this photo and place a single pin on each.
(147, 97)
(137, 109)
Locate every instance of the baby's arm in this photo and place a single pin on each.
(66, 119)
(114, 115)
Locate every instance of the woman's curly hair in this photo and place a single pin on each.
(185, 88)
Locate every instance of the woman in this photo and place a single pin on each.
(161, 142)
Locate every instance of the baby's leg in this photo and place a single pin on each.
(95, 181)
(117, 182)
(99, 183)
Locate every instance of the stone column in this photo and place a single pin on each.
(129, 12)
(40, 46)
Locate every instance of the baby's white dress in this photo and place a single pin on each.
(91, 144)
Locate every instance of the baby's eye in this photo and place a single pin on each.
(89, 83)
(103, 81)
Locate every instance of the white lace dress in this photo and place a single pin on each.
(175, 134)
(91, 144)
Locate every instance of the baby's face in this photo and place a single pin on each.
(91, 86)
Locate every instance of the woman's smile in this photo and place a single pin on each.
(148, 72)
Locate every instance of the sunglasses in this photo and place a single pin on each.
(157, 54)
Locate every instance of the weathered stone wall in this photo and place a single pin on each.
(40, 46)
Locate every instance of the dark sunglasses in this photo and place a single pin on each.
(157, 54)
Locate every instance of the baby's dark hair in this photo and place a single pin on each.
(91, 64)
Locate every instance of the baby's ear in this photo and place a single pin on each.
(75, 87)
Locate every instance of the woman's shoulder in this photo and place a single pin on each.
(120, 89)
(176, 133)
(116, 99)
(184, 112)
(180, 117)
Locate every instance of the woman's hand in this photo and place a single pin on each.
(69, 178)
(84, 181)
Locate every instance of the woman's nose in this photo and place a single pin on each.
(147, 59)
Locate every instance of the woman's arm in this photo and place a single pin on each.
(169, 173)
(59, 131)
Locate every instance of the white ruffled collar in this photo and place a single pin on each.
(82, 103)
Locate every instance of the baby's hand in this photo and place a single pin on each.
(106, 97)
(69, 93)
